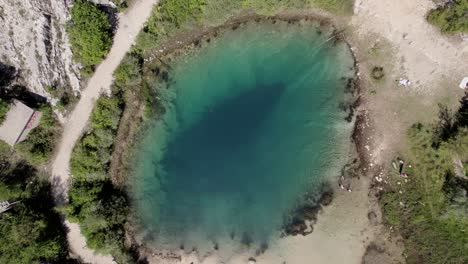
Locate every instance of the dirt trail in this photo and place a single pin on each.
(130, 23)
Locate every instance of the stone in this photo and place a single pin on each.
(34, 41)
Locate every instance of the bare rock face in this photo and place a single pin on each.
(33, 39)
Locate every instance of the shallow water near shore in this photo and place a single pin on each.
(252, 125)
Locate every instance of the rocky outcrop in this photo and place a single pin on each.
(33, 39)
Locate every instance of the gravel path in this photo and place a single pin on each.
(130, 23)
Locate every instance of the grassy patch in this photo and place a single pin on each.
(429, 209)
(451, 17)
(335, 6)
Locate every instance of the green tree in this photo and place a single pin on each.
(90, 33)
(40, 142)
(28, 236)
(4, 107)
(451, 17)
(91, 156)
(31, 230)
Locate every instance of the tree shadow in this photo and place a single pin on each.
(8, 74)
(22, 94)
(112, 14)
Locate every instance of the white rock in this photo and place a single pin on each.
(34, 40)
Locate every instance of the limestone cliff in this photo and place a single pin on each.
(33, 39)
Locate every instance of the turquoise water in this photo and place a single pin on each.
(252, 125)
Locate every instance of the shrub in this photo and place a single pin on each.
(31, 230)
(91, 156)
(90, 33)
(129, 72)
(40, 142)
(451, 17)
(179, 11)
(66, 97)
(94, 202)
(30, 235)
(424, 209)
(4, 108)
(102, 212)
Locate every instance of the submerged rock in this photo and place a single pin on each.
(252, 261)
(304, 217)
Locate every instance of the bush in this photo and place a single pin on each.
(90, 33)
(66, 97)
(31, 230)
(180, 11)
(425, 209)
(31, 236)
(94, 202)
(102, 213)
(91, 156)
(451, 17)
(4, 108)
(40, 142)
(129, 72)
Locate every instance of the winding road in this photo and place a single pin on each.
(130, 24)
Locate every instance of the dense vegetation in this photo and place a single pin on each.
(102, 212)
(91, 156)
(90, 33)
(99, 207)
(4, 107)
(430, 209)
(450, 17)
(31, 230)
(39, 144)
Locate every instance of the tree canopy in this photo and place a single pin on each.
(90, 33)
(30, 231)
(451, 17)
